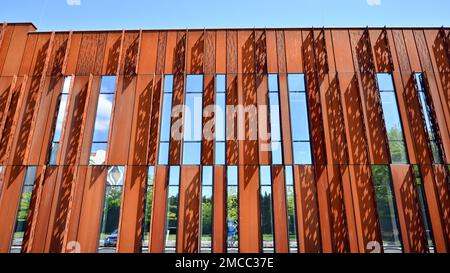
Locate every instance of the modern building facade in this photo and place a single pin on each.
(225, 140)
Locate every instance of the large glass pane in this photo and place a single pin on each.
(290, 201)
(148, 209)
(275, 131)
(220, 83)
(98, 153)
(220, 153)
(386, 209)
(111, 209)
(220, 117)
(299, 116)
(385, 82)
(273, 82)
(194, 83)
(302, 153)
(108, 85)
(277, 153)
(207, 209)
(296, 82)
(192, 153)
(232, 210)
(22, 213)
(266, 209)
(172, 209)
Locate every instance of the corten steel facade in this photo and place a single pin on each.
(336, 208)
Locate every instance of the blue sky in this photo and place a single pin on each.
(148, 14)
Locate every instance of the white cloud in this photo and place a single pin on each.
(374, 2)
(73, 2)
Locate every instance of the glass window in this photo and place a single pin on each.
(275, 123)
(193, 116)
(266, 209)
(424, 208)
(102, 121)
(232, 210)
(290, 201)
(430, 124)
(23, 210)
(166, 115)
(111, 209)
(172, 209)
(148, 208)
(59, 120)
(298, 106)
(220, 120)
(207, 209)
(386, 209)
(391, 117)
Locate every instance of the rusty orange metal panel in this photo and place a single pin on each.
(130, 53)
(280, 221)
(161, 55)
(91, 54)
(208, 120)
(285, 120)
(195, 52)
(132, 210)
(121, 124)
(11, 64)
(250, 120)
(9, 204)
(175, 152)
(281, 51)
(370, 99)
(219, 242)
(58, 54)
(45, 121)
(350, 215)
(381, 50)
(170, 52)
(412, 50)
(364, 205)
(6, 89)
(142, 118)
(246, 52)
(313, 95)
(231, 120)
(209, 51)
(249, 210)
(340, 229)
(307, 210)
(9, 124)
(323, 201)
(272, 58)
(221, 51)
(232, 52)
(433, 198)
(262, 97)
(74, 210)
(91, 209)
(28, 53)
(260, 52)
(408, 99)
(158, 226)
(111, 56)
(148, 52)
(188, 237)
(74, 51)
(441, 176)
(408, 209)
(155, 120)
(26, 122)
(6, 37)
(294, 56)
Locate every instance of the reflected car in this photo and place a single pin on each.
(111, 239)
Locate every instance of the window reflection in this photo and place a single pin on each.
(193, 116)
(391, 117)
(164, 134)
(23, 210)
(386, 208)
(148, 209)
(299, 119)
(206, 209)
(59, 120)
(102, 121)
(219, 125)
(111, 209)
(232, 210)
(266, 209)
(172, 209)
(291, 211)
(430, 123)
(275, 125)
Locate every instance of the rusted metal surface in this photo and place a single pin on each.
(334, 196)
